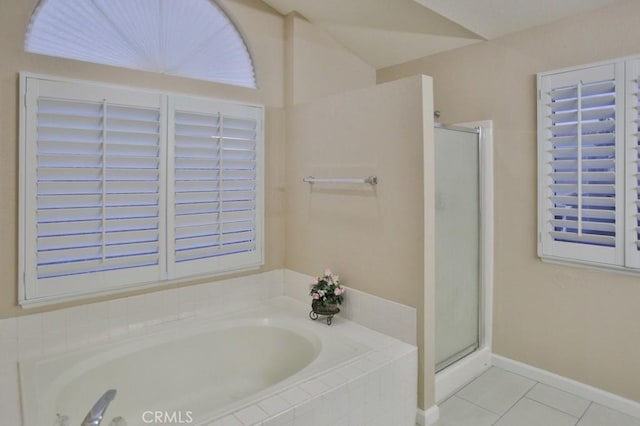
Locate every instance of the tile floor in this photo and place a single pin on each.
(501, 398)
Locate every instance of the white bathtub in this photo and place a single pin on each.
(193, 370)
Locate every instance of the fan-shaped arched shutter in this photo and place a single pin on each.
(188, 38)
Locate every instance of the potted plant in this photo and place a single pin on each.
(326, 294)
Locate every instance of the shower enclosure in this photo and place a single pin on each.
(457, 242)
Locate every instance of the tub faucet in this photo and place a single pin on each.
(95, 415)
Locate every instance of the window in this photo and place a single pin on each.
(588, 168)
(194, 39)
(121, 187)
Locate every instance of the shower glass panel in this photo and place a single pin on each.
(457, 244)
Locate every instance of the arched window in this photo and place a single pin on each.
(188, 38)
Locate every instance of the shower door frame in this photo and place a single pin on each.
(456, 375)
(457, 356)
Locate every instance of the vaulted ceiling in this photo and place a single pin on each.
(389, 32)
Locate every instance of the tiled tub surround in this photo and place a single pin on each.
(398, 321)
(365, 390)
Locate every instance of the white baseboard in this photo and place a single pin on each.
(599, 396)
(456, 376)
(427, 417)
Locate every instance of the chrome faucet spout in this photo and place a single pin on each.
(95, 415)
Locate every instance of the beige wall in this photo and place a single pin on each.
(317, 65)
(264, 32)
(340, 124)
(572, 321)
(373, 236)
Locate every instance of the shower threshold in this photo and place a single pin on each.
(456, 357)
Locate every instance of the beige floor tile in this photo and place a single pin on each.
(598, 415)
(560, 400)
(496, 390)
(528, 412)
(458, 412)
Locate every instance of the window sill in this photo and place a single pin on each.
(591, 266)
(195, 279)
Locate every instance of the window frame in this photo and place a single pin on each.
(28, 294)
(622, 259)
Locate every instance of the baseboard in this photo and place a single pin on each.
(599, 396)
(427, 417)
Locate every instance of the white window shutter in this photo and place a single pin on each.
(632, 147)
(194, 39)
(122, 188)
(216, 196)
(581, 168)
(93, 217)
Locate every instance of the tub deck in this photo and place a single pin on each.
(202, 370)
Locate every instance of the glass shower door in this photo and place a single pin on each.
(457, 239)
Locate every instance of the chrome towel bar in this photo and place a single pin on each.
(371, 180)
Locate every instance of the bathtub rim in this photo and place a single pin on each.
(285, 313)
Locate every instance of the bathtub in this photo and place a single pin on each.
(191, 372)
(267, 365)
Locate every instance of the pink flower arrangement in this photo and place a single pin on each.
(326, 290)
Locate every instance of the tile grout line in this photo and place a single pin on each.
(541, 403)
(531, 399)
(474, 404)
(553, 408)
(577, 419)
(471, 402)
(514, 404)
(585, 412)
(557, 409)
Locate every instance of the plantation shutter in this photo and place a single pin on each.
(632, 147)
(94, 205)
(216, 208)
(122, 188)
(581, 165)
